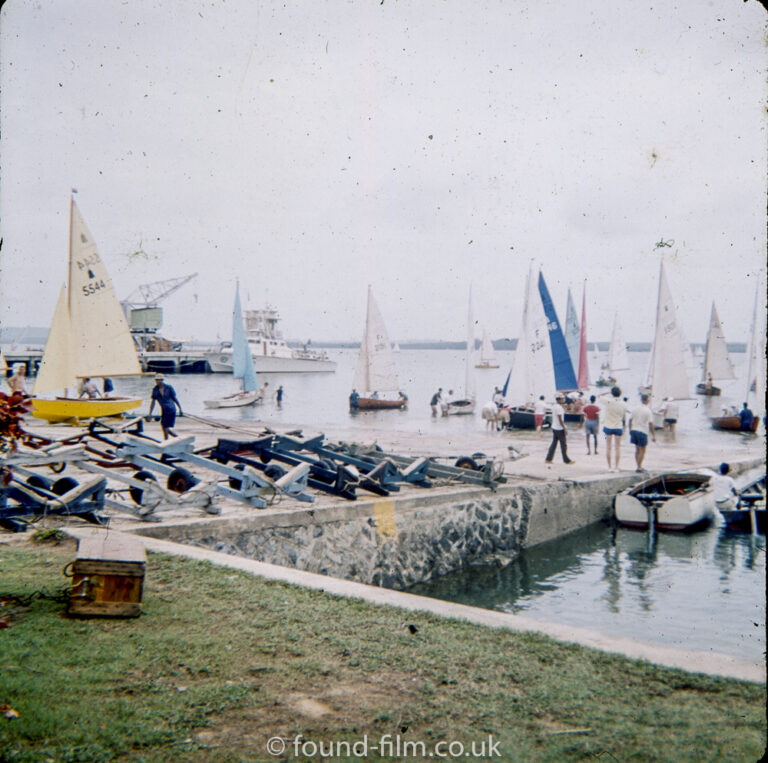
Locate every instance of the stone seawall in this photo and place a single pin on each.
(398, 541)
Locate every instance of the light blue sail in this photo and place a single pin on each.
(565, 378)
(572, 331)
(242, 362)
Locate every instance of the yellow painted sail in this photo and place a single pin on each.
(56, 370)
(101, 340)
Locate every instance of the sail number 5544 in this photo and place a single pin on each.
(93, 287)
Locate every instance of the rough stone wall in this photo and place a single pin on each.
(412, 540)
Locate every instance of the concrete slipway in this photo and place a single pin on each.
(588, 477)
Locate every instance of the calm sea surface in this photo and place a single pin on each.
(703, 591)
(316, 401)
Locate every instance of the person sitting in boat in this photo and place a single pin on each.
(108, 387)
(747, 418)
(403, 396)
(375, 395)
(724, 489)
(354, 398)
(89, 389)
(708, 382)
(165, 396)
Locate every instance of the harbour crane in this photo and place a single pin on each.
(145, 317)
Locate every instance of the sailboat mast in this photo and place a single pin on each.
(752, 346)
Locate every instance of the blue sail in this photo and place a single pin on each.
(565, 378)
(242, 362)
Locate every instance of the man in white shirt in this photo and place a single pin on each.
(559, 432)
(641, 424)
(724, 489)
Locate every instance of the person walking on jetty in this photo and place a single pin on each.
(539, 411)
(613, 427)
(559, 433)
(165, 396)
(640, 426)
(591, 422)
(16, 380)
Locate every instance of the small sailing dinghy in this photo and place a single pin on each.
(375, 385)
(717, 362)
(467, 404)
(88, 338)
(242, 365)
(676, 501)
(487, 353)
(667, 375)
(542, 365)
(618, 359)
(755, 381)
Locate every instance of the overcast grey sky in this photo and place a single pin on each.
(310, 148)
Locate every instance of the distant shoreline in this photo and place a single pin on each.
(32, 336)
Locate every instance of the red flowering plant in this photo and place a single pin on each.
(12, 410)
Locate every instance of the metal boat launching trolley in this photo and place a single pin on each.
(155, 476)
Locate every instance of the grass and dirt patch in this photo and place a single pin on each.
(222, 661)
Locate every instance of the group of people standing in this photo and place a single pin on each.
(616, 416)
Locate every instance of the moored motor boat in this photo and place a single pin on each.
(675, 501)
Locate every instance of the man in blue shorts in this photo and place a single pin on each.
(640, 425)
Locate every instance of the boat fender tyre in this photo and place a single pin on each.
(136, 492)
(180, 480)
(465, 462)
(63, 485)
(274, 472)
(37, 480)
(235, 483)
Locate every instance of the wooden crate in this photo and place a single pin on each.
(107, 576)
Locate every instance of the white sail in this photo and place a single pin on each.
(618, 359)
(717, 362)
(469, 374)
(375, 370)
(56, 372)
(756, 353)
(572, 332)
(487, 353)
(101, 339)
(532, 369)
(667, 374)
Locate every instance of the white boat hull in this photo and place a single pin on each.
(459, 407)
(238, 400)
(678, 512)
(221, 363)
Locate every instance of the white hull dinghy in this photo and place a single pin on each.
(676, 501)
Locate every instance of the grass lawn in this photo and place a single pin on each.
(222, 661)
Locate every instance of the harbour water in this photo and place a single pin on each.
(702, 591)
(320, 401)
